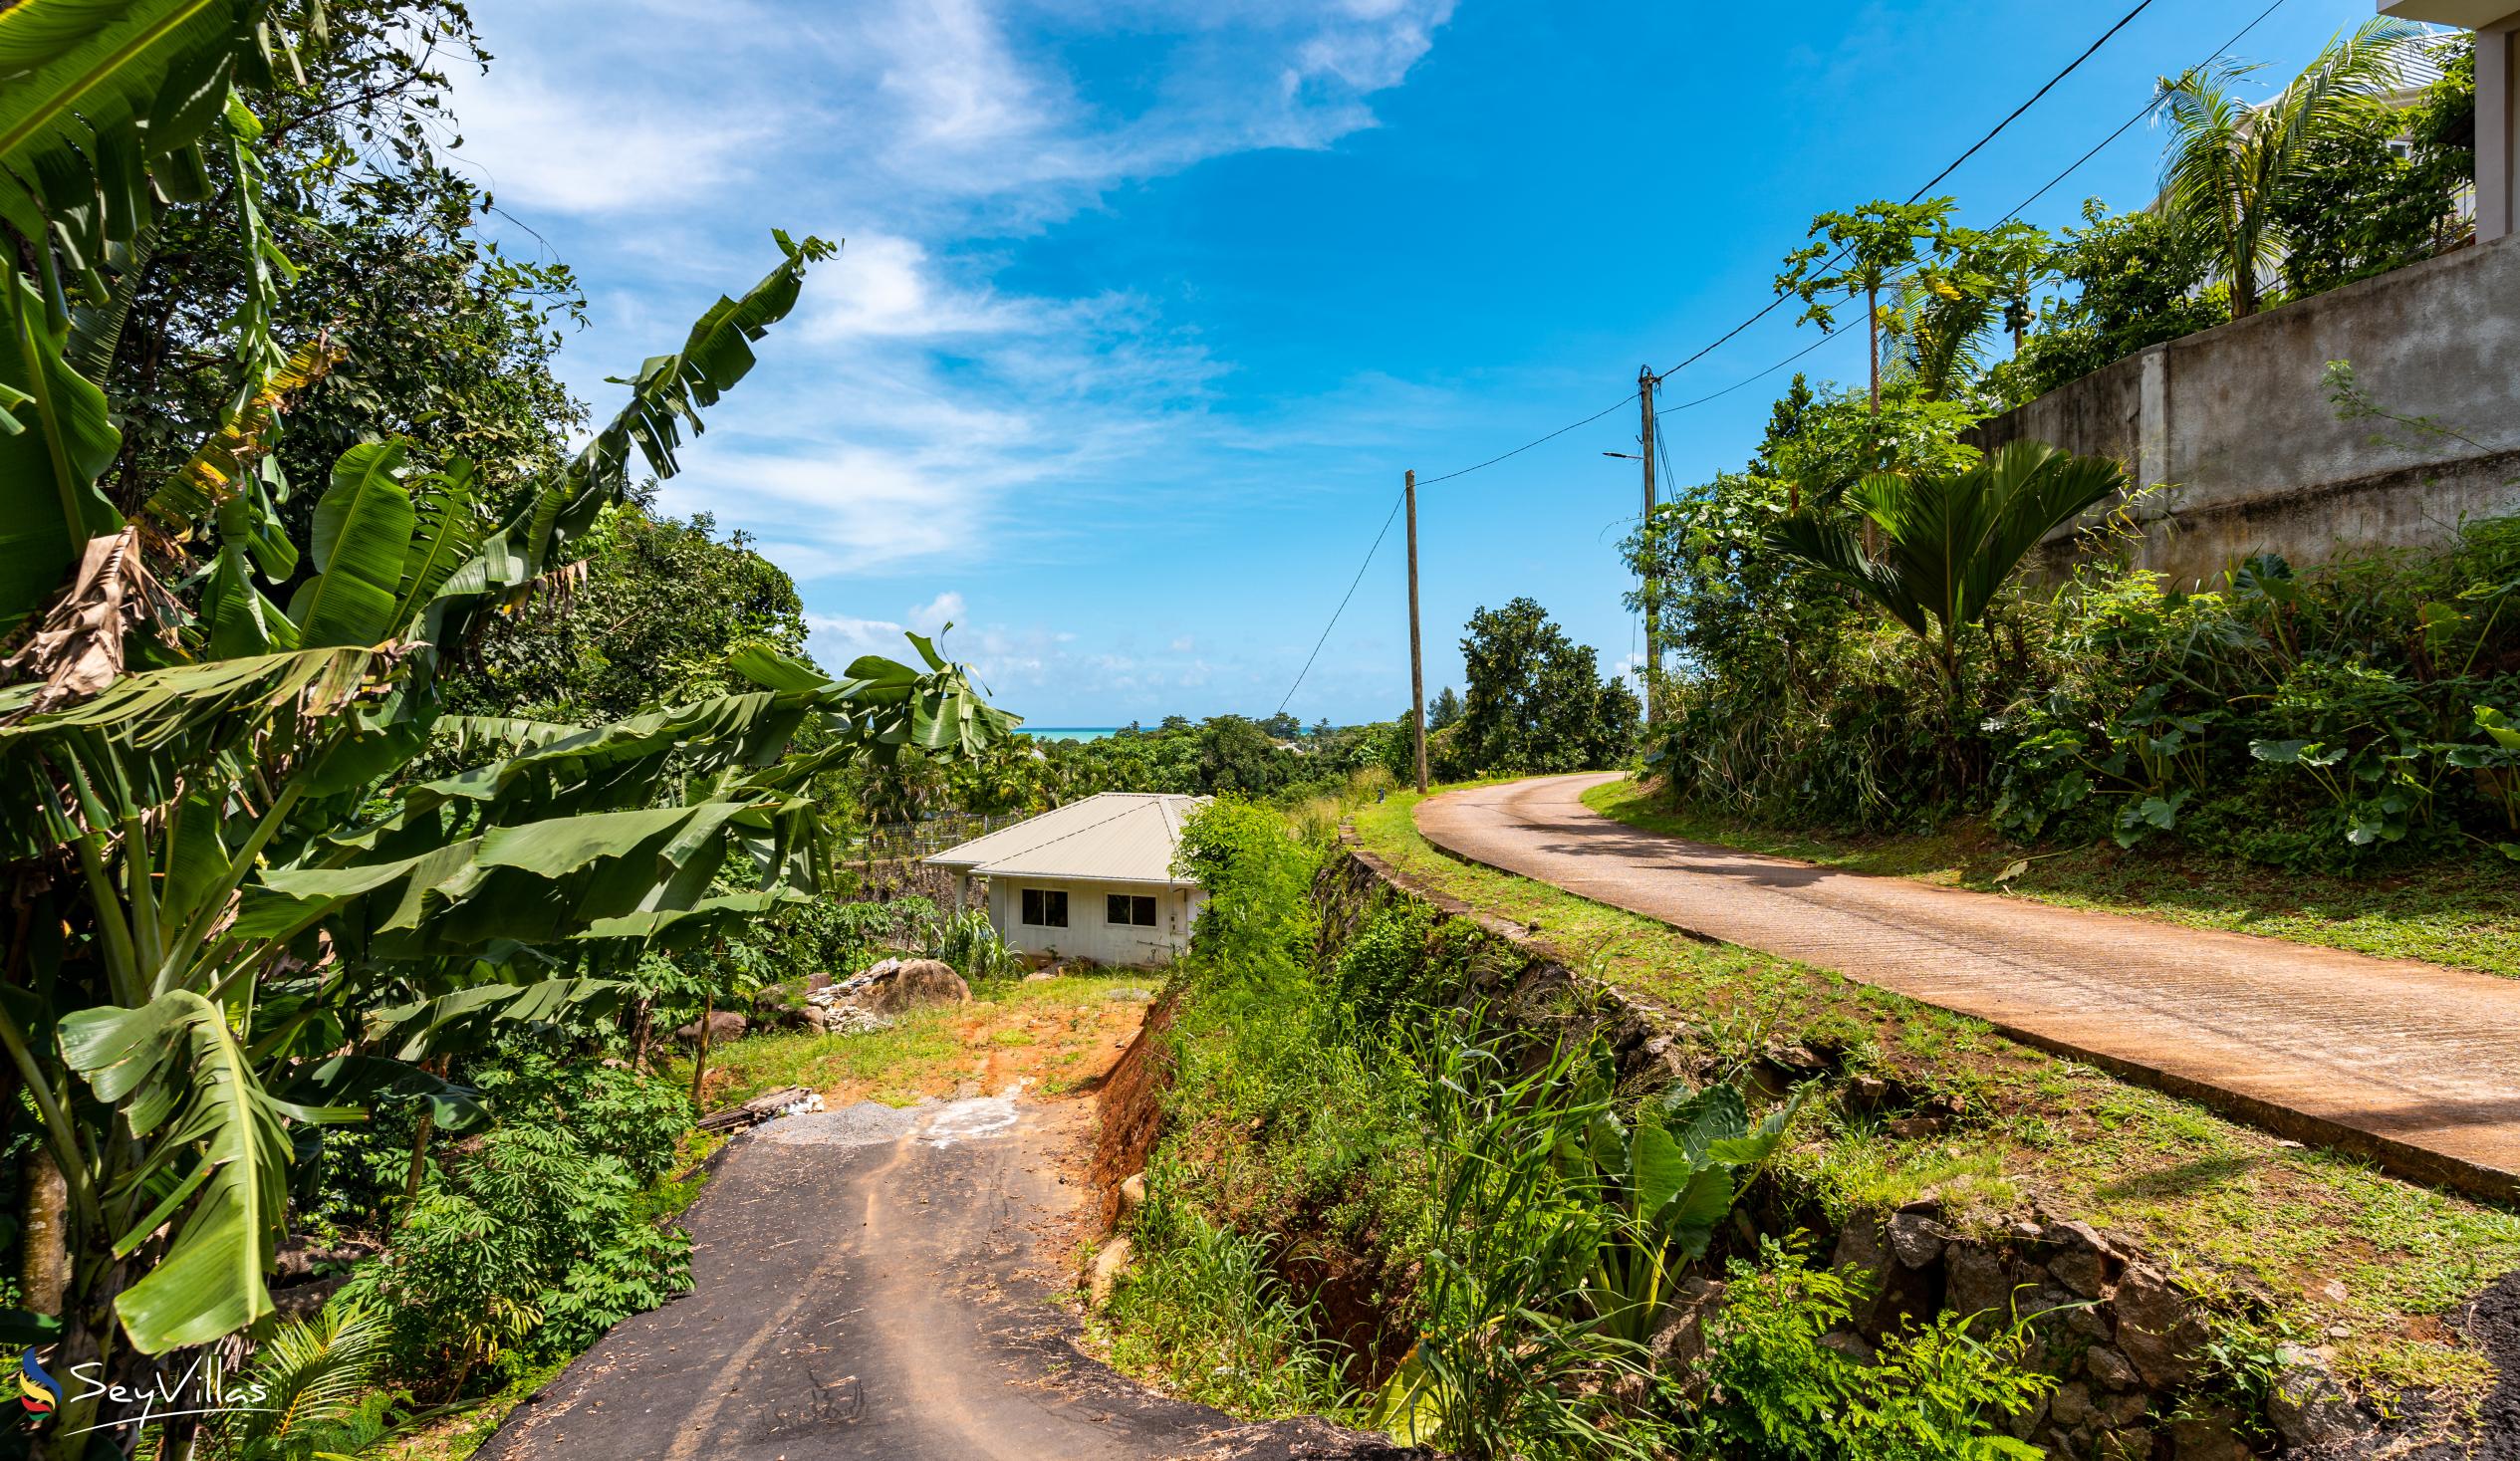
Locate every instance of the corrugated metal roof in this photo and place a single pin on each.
(1113, 836)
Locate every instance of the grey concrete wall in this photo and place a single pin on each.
(2236, 430)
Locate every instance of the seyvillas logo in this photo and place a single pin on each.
(38, 1391)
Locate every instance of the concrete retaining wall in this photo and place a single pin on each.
(2236, 426)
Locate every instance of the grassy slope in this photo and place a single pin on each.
(2464, 913)
(2347, 1257)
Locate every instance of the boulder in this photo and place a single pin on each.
(2308, 1410)
(1916, 1240)
(912, 984)
(2109, 1369)
(1109, 1262)
(817, 981)
(2157, 1329)
(1133, 1195)
(724, 1025)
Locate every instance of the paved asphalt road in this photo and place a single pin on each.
(2414, 1064)
(880, 1284)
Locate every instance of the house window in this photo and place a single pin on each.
(1124, 911)
(1045, 907)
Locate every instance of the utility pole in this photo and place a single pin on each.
(1416, 657)
(1646, 383)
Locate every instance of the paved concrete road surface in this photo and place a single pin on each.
(873, 1283)
(2412, 1064)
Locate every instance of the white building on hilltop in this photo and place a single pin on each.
(1089, 880)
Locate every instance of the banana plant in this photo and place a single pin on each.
(246, 918)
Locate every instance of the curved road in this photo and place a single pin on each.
(882, 1283)
(2412, 1064)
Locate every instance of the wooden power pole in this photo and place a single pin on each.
(1416, 655)
(1646, 383)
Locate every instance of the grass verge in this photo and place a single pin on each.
(2359, 1266)
(2465, 914)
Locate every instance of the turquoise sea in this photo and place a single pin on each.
(1070, 732)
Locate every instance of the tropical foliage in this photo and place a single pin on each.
(2233, 166)
(264, 879)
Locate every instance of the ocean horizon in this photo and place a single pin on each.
(1070, 732)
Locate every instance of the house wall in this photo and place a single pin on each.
(2237, 424)
(1087, 935)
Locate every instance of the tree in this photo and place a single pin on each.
(2138, 279)
(2369, 203)
(659, 605)
(1861, 253)
(1537, 702)
(1445, 710)
(1950, 541)
(2231, 166)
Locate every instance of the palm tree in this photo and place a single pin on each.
(1948, 543)
(2229, 163)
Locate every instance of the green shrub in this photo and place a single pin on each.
(1778, 1392)
(529, 1246)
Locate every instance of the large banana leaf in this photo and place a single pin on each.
(215, 1144)
(361, 538)
(96, 94)
(56, 439)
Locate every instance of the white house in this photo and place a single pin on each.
(1088, 880)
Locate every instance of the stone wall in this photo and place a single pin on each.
(2236, 429)
(2127, 1341)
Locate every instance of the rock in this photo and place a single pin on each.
(1133, 1195)
(1859, 1248)
(1109, 1262)
(1678, 1342)
(2157, 1329)
(2109, 1368)
(2133, 1443)
(2072, 1404)
(912, 984)
(1915, 1240)
(2080, 1261)
(2119, 1410)
(817, 982)
(1866, 1093)
(1976, 1283)
(1916, 1129)
(723, 1025)
(2306, 1408)
(1853, 1345)
(2207, 1437)
(2081, 1272)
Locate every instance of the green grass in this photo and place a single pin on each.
(2462, 913)
(2330, 1240)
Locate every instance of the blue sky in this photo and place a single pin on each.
(1146, 303)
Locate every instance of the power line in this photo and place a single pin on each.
(1528, 445)
(2123, 128)
(1975, 148)
(2018, 209)
(1350, 593)
(2053, 81)
(1770, 306)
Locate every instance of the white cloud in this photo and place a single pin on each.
(540, 145)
